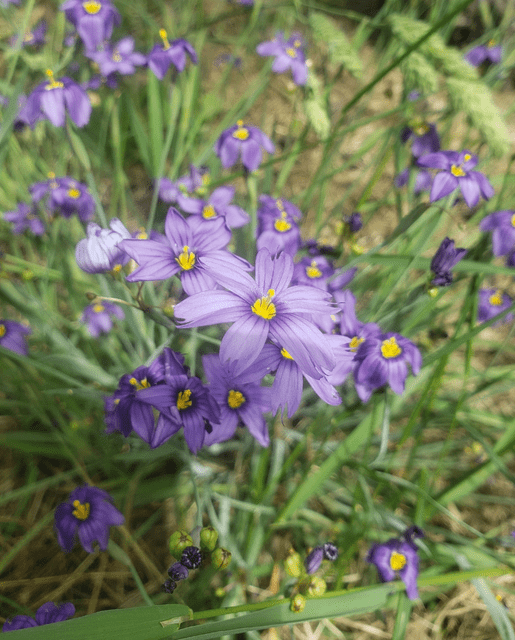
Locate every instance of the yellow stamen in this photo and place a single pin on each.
(116, 57)
(142, 234)
(81, 511)
(397, 561)
(281, 224)
(291, 52)
(457, 171)
(241, 132)
(355, 342)
(313, 271)
(73, 193)
(467, 157)
(53, 84)
(235, 399)
(2, 330)
(117, 268)
(421, 129)
(92, 7)
(164, 37)
(143, 384)
(491, 43)
(208, 211)
(186, 259)
(297, 44)
(279, 204)
(264, 307)
(513, 220)
(390, 348)
(183, 399)
(28, 37)
(98, 308)
(285, 354)
(496, 298)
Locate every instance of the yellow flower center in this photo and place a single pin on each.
(457, 171)
(164, 37)
(98, 308)
(496, 298)
(143, 384)
(264, 307)
(513, 220)
(116, 57)
(291, 52)
(235, 399)
(81, 511)
(297, 44)
(397, 561)
(117, 268)
(52, 84)
(73, 193)
(241, 132)
(91, 7)
(183, 399)
(142, 234)
(208, 211)
(186, 259)
(285, 354)
(281, 224)
(313, 271)
(28, 37)
(355, 342)
(390, 348)
(2, 330)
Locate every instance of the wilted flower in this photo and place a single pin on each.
(162, 56)
(93, 19)
(46, 614)
(491, 303)
(425, 137)
(456, 171)
(502, 225)
(12, 336)
(98, 317)
(65, 195)
(444, 260)
(245, 140)
(118, 58)
(289, 54)
(490, 51)
(88, 513)
(25, 217)
(99, 251)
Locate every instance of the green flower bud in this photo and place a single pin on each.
(293, 565)
(178, 542)
(317, 586)
(298, 603)
(221, 558)
(208, 538)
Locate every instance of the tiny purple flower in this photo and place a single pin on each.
(162, 56)
(245, 140)
(289, 54)
(354, 222)
(425, 137)
(491, 52)
(502, 225)
(93, 19)
(98, 317)
(88, 513)
(277, 228)
(491, 303)
(444, 260)
(397, 557)
(118, 58)
(313, 271)
(25, 217)
(12, 336)
(190, 185)
(65, 195)
(217, 204)
(99, 252)
(384, 360)
(423, 180)
(34, 38)
(46, 614)
(456, 171)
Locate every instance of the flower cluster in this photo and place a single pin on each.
(46, 614)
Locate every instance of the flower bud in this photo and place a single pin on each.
(293, 564)
(208, 538)
(178, 542)
(178, 571)
(221, 558)
(298, 603)
(191, 557)
(330, 551)
(317, 586)
(314, 560)
(169, 586)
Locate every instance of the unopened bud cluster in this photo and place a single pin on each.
(308, 584)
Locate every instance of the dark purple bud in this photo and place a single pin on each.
(169, 586)
(411, 533)
(178, 571)
(314, 560)
(191, 557)
(330, 551)
(354, 221)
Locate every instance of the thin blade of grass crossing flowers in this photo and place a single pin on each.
(404, 607)
(155, 120)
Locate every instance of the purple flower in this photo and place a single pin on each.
(162, 56)
(397, 557)
(244, 140)
(217, 204)
(313, 560)
(456, 171)
(196, 252)
(93, 19)
(491, 303)
(446, 256)
(12, 336)
(46, 614)
(479, 54)
(266, 307)
(502, 225)
(88, 513)
(354, 222)
(288, 54)
(423, 180)
(34, 38)
(53, 99)
(426, 139)
(25, 217)
(241, 400)
(98, 317)
(99, 252)
(384, 360)
(65, 195)
(190, 185)
(277, 228)
(313, 271)
(118, 58)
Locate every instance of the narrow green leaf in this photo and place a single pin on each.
(496, 609)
